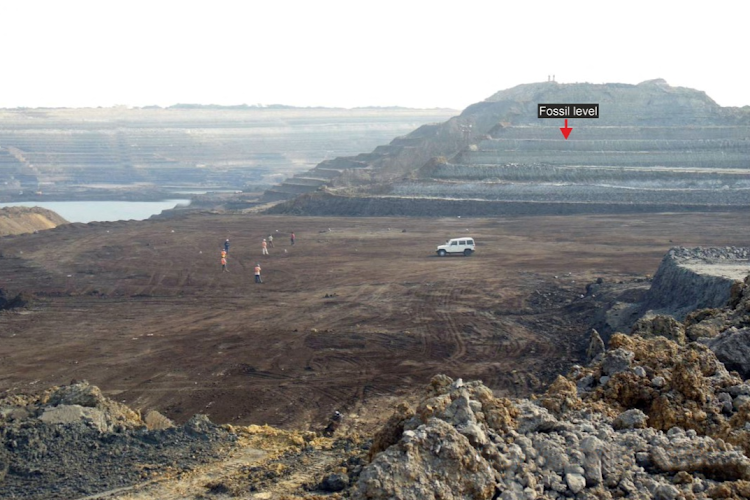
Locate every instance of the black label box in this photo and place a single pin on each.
(567, 110)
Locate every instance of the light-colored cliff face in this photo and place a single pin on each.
(19, 220)
(696, 278)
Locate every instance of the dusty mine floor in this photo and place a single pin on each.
(358, 311)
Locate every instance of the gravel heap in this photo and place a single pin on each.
(462, 442)
(709, 254)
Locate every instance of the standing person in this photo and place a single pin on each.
(270, 240)
(223, 254)
(264, 247)
(226, 246)
(257, 274)
(224, 265)
(292, 238)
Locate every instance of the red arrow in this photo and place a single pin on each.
(565, 130)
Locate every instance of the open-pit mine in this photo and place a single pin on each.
(593, 346)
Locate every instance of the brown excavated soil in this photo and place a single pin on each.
(142, 310)
(19, 220)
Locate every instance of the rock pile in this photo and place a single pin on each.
(654, 415)
(71, 441)
(725, 330)
(587, 437)
(709, 254)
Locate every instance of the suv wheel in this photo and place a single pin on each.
(467, 252)
(441, 253)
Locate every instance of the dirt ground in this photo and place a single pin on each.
(357, 312)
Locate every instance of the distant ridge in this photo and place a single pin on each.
(219, 107)
(286, 106)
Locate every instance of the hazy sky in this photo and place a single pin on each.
(357, 53)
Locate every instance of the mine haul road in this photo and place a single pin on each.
(358, 311)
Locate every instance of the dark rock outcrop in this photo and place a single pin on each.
(696, 278)
(72, 441)
(726, 330)
(19, 300)
(732, 347)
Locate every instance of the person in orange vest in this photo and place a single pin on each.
(257, 274)
(223, 254)
(224, 265)
(264, 246)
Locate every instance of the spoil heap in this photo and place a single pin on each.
(18, 220)
(72, 441)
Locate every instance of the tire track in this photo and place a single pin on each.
(446, 302)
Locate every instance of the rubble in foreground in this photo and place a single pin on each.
(651, 416)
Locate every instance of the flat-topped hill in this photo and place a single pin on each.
(653, 102)
(18, 220)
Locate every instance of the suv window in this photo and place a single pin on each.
(454, 243)
(469, 242)
(462, 242)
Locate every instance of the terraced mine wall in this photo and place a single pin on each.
(670, 165)
(401, 154)
(58, 149)
(696, 278)
(328, 204)
(653, 145)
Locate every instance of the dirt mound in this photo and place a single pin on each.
(18, 220)
(683, 300)
(72, 441)
(722, 321)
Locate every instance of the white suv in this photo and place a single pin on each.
(457, 246)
